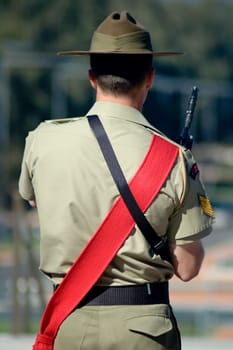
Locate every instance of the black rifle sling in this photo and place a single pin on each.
(157, 244)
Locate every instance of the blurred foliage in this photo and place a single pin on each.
(201, 29)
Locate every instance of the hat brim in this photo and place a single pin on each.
(153, 53)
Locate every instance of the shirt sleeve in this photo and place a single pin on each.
(194, 216)
(25, 184)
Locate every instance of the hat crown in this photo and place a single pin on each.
(120, 32)
(119, 23)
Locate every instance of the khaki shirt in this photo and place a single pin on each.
(64, 170)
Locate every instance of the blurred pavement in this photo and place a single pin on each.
(24, 342)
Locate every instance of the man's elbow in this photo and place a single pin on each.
(187, 276)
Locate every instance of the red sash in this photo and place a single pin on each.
(107, 240)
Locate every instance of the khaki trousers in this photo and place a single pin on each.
(144, 327)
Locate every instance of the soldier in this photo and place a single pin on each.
(65, 176)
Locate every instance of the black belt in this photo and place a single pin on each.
(150, 293)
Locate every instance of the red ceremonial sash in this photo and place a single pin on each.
(103, 246)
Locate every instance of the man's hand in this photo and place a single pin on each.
(32, 203)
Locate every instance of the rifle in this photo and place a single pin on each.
(185, 139)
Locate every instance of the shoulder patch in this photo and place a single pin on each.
(206, 205)
(194, 171)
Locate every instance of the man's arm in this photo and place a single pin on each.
(32, 203)
(187, 259)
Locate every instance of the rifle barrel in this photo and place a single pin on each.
(191, 107)
(185, 138)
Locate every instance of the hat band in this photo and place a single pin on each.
(132, 42)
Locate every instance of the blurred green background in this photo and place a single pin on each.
(36, 84)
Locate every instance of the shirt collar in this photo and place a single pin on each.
(116, 110)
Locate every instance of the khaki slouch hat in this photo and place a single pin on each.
(120, 33)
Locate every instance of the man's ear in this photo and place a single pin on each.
(150, 77)
(92, 79)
